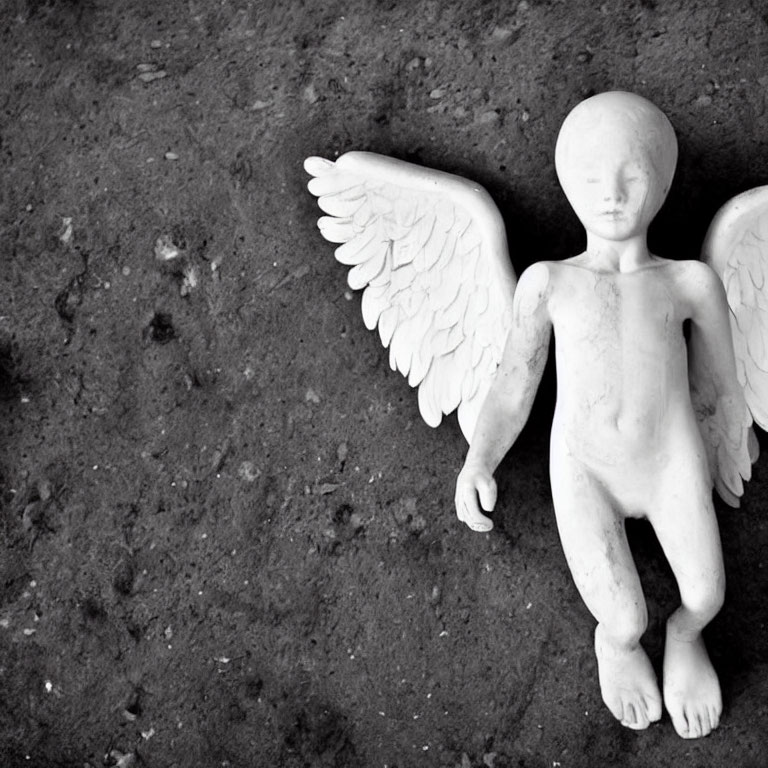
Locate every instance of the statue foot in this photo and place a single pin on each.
(691, 688)
(628, 683)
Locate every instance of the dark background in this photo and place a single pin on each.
(227, 536)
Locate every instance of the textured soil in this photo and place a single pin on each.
(227, 536)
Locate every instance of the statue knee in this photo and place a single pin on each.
(705, 600)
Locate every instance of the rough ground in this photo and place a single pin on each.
(227, 537)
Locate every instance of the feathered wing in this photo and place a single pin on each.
(736, 247)
(429, 250)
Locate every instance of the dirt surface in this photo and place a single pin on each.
(227, 536)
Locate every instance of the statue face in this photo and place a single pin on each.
(612, 185)
(615, 158)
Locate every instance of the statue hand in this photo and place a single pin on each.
(474, 482)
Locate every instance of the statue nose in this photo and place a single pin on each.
(613, 194)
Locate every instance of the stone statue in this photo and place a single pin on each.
(646, 422)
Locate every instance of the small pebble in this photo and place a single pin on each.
(500, 34)
(148, 77)
(248, 471)
(165, 249)
(66, 235)
(44, 491)
(488, 117)
(190, 281)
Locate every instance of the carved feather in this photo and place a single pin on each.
(736, 247)
(429, 251)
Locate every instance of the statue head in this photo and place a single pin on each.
(615, 158)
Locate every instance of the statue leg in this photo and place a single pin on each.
(687, 530)
(595, 546)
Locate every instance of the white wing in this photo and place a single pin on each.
(736, 247)
(430, 251)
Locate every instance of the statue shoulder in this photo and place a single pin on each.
(695, 278)
(536, 280)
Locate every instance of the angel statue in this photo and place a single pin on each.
(646, 421)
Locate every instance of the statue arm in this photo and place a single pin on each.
(710, 344)
(508, 404)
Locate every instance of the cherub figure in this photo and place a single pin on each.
(625, 439)
(645, 421)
